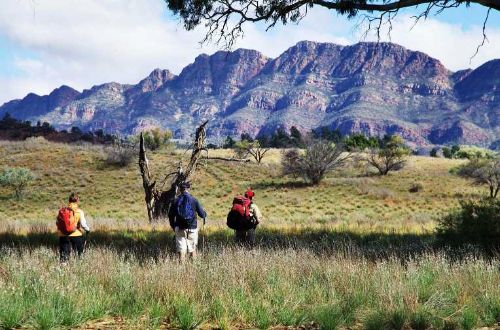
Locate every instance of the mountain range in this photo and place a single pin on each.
(374, 88)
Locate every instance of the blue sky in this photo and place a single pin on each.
(82, 43)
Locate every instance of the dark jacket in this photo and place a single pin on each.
(177, 221)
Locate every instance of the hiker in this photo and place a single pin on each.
(71, 225)
(246, 236)
(183, 220)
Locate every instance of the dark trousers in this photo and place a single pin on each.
(245, 237)
(67, 243)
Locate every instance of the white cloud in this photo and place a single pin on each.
(449, 43)
(83, 43)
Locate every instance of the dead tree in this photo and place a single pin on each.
(158, 201)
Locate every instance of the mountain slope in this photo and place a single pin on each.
(367, 87)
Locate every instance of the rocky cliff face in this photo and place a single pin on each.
(371, 88)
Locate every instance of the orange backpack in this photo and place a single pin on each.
(66, 220)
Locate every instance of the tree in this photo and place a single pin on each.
(390, 156)
(158, 201)
(228, 143)
(281, 139)
(434, 152)
(157, 138)
(326, 133)
(241, 149)
(320, 158)
(296, 137)
(224, 19)
(17, 178)
(483, 171)
(358, 141)
(247, 137)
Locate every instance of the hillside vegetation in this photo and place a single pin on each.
(348, 198)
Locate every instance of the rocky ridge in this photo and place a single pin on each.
(367, 87)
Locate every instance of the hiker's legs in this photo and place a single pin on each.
(192, 242)
(251, 237)
(64, 248)
(77, 245)
(180, 244)
(240, 236)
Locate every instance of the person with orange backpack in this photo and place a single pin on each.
(244, 217)
(71, 225)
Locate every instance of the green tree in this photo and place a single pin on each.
(296, 137)
(483, 171)
(358, 141)
(229, 143)
(157, 138)
(281, 139)
(17, 178)
(433, 152)
(390, 156)
(241, 148)
(247, 137)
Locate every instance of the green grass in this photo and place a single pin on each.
(355, 252)
(345, 199)
(259, 289)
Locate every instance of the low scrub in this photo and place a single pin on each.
(18, 179)
(476, 222)
(120, 155)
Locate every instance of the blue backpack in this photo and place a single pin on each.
(184, 207)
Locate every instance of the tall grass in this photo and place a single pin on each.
(233, 287)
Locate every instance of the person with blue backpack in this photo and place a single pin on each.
(183, 220)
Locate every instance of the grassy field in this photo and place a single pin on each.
(355, 252)
(347, 199)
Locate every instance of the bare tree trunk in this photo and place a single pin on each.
(158, 201)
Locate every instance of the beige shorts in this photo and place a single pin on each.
(186, 240)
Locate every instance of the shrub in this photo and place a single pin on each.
(155, 139)
(476, 222)
(390, 156)
(320, 158)
(483, 171)
(416, 187)
(119, 155)
(244, 148)
(434, 152)
(17, 178)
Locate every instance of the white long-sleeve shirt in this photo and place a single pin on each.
(83, 221)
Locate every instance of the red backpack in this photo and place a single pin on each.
(239, 216)
(66, 220)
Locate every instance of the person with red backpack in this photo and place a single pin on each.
(244, 217)
(71, 225)
(183, 220)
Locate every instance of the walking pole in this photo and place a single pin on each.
(85, 241)
(203, 237)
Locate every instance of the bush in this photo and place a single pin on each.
(320, 158)
(477, 222)
(119, 155)
(416, 187)
(155, 139)
(390, 156)
(483, 171)
(17, 178)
